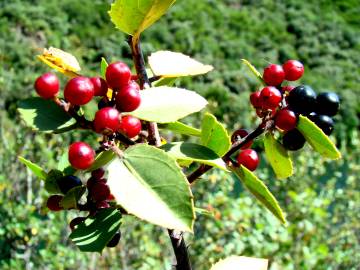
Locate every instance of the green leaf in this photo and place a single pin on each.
(36, 169)
(102, 159)
(44, 115)
(253, 70)
(63, 162)
(72, 197)
(95, 232)
(278, 157)
(165, 82)
(259, 190)
(181, 128)
(133, 17)
(241, 263)
(194, 152)
(103, 67)
(214, 135)
(149, 184)
(168, 104)
(51, 182)
(317, 138)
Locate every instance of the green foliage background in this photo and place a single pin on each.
(322, 199)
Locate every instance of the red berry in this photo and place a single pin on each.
(99, 192)
(111, 197)
(98, 173)
(255, 99)
(128, 98)
(53, 202)
(270, 97)
(92, 181)
(287, 88)
(273, 75)
(102, 205)
(285, 120)
(293, 70)
(47, 85)
(100, 86)
(117, 75)
(107, 120)
(238, 135)
(81, 155)
(249, 159)
(79, 90)
(130, 125)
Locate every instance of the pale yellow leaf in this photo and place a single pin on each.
(241, 263)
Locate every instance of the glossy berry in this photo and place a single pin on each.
(324, 122)
(68, 182)
(114, 241)
(128, 98)
(100, 86)
(81, 155)
(293, 140)
(99, 192)
(130, 125)
(287, 88)
(273, 75)
(53, 202)
(79, 90)
(47, 85)
(270, 97)
(117, 75)
(249, 159)
(76, 221)
(327, 103)
(293, 70)
(255, 99)
(98, 173)
(302, 99)
(238, 135)
(92, 181)
(107, 120)
(285, 120)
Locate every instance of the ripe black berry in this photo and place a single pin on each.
(293, 140)
(302, 99)
(324, 122)
(115, 240)
(98, 173)
(327, 103)
(99, 191)
(68, 182)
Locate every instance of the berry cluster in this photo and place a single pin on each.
(124, 96)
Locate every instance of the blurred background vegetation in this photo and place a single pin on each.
(322, 199)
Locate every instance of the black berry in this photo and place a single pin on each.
(68, 182)
(293, 140)
(115, 240)
(327, 103)
(324, 122)
(302, 99)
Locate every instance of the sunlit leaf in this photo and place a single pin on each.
(181, 128)
(103, 67)
(253, 70)
(102, 159)
(36, 169)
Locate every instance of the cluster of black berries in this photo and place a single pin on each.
(98, 197)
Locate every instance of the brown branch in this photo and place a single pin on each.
(180, 250)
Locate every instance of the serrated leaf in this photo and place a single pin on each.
(72, 197)
(103, 67)
(195, 153)
(241, 263)
(317, 138)
(36, 169)
(278, 157)
(168, 104)
(214, 135)
(181, 128)
(95, 232)
(174, 64)
(259, 190)
(102, 159)
(51, 181)
(253, 70)
(44, 115)
(149, 184)
(133, 17)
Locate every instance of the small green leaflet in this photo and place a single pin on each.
(72, 197)
(194, 152)
(149, 184)
(133, 17)
(95, 232)
(51, 182)
(36, 169)
(259, 190)
(317, 138)
(63, 162)
(45, 115)
(241, 263)
(253, 70)
(278, 157)
(103, 67)
(181, 128)
(214, 135)
(102, 159)
(168, 104)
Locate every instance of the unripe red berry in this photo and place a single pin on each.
(238, 135)
(293, 70)
(249, 159)
(100, 86)
(79, 90)
(99, 192)
(255, 99)
(128, 99)
(81, 155)
(107, 120)
(270, 97)
(47, 85)
(130, 125)
(273, 75)
(285, 120)
(117, 74)
(53, 202)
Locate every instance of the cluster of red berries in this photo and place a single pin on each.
(108, 119)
